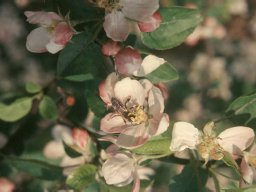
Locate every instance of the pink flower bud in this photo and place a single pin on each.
(80, 137)
(110, 48)
(6, 185)
(151, 23)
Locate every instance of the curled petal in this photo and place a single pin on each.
(118, 169)
(110, 48)
(184, 135)
(133, 137)
(62, 33)
(155, 101)
(151, 23)
(113, 123)
(158, 124)
(149, 64)
(127, 61)
(139, 10)
(37, 40)
(129, 88)
(236, 139)
(116, 26)
(43, 18)
(103, 93)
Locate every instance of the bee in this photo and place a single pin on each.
(121, 109)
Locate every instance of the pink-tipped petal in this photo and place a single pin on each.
(80, 137)
(129, 88)
(116, 26)
(53, 47)
(133, 137)
(149, 64)
(127, 61)
(110, 48)
(158, 124)
(113, 123)
(151, 23)
(103, 93)
(136, 182)
(110, 82)
(62, 33)
(247, 171)
(184, 135)
(43, 18)
(118, 169)
(139, 10)
(37, 40)
(236, 139)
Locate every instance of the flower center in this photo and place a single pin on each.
(252, 161)
(108, 5)
(137, 115)
(209, 148)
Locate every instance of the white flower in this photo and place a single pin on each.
(52, 35)
(137, 111)
(233, 140)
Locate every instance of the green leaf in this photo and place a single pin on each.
(36, 168)
(70, 151)
(244, 105)
(79, 78)
(190, 179)
(15, 110)
(164, 73)
(33, 87)
(48, 108)
(229, 161)
(159, 146)
(82, 177)
(177, 24)
(247, 189)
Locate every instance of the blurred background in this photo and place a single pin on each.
(217, 63)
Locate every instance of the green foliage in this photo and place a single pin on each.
(247, 189)
(229, 161)
(79, 78)
(36, 168)
(244, 105)
(33, 87)
(70, 151)
(164, 73)
(190, 179)
(15, 110)
(177, 24)
(48, 108)
(82, 177)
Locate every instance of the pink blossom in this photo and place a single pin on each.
(6, 185)
(52, 35)
(118, 14)
(110, 48)
(121, 168)
(151, 23)
(233, 140)
(137, 111)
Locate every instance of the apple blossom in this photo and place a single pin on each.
(6, 185)
(209, 146)
(248, 165)
(129, 62)
(120, 12)
(151, 23)
(121, 168)
(110, 48)
(137, 111)
(52, 35)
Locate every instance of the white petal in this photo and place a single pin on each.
(136, 182)
(149, 64)
(247, 172)
(113, 123)
(236, 139)
(53, 47)
(129, 88)
(155, 101)
(43, 18)
(160, 125)
(184, 135)
(139, 10)
(117, 169)
(116, 26)
(37, 40)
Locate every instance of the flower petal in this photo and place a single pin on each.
(247, 172)
(110, 48)
(113, 123)
(80, 137)
(118, 169)
(41, 17)
(149, 64)
(151, 23)
(129, 88)
(139, 10)
(184, 135)
(158, 124)
(116, 26)
(155, 101)
(127, 61)
(236, 139)
(136, 182)
(53, 47)
(62, 33)
(133, 137)
(37, 40)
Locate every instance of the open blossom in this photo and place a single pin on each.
(121, 168)
(129, 62)
(233, 140)
(248, 165)
(52, 35)
(120, 12)
(137, 111)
